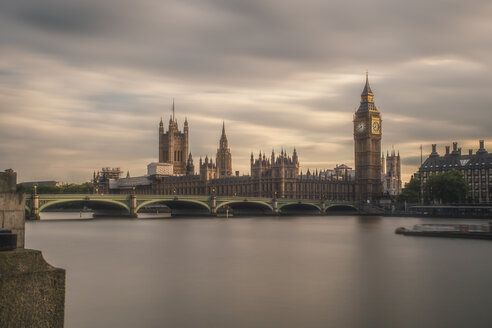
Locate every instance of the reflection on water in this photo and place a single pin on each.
(265, 272)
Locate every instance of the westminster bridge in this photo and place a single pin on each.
(199, 205)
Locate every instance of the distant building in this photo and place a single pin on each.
(270, 176)
(391, 174)
(476, 168)
(340, 172)
(160, 169)
(173, 145)
(224, 157)
(31, 184)
(101, 178)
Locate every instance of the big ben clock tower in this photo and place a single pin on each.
(367, 139)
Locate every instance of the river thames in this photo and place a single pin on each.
(331, 271)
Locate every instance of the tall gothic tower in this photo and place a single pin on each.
(173, 145)
(367, 139)
(224, 158)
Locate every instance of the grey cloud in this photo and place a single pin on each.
(104, 72)
(63, 17)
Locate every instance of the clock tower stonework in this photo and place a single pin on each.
(367, 139)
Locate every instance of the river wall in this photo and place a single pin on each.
(12, 206)
(32, 292)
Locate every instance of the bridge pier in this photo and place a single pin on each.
(323, 208)
(35, 207)
(275, 206)
(213, 205)
(133, 205)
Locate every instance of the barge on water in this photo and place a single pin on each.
(470, 231)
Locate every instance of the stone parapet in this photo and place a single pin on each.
(32, 292)
(8, 181)
(12, 206)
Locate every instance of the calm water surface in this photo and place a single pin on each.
(265, 272)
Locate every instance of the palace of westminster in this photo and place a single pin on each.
(275, 175)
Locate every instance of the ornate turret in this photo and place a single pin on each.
(224, 157)
(173, 144)
(190, 168)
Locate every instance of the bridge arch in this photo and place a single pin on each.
(246, 203)
(168, 202)
(336, 208)
(300, 207)
(116, 203)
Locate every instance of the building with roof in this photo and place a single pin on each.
(476, 168)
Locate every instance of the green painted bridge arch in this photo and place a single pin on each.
(246, 202)
(170, 200)
(341, 207)
(309, 204)
(84, 201)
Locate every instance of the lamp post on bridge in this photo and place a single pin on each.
(35, 204)
(323, 204)
(275, 204)
(133, 203)
(213, 201)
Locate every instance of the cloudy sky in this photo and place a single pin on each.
(83, 84)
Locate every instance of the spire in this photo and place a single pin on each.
(173, 111)
(223, 138)
(367, 98)
(367, 87)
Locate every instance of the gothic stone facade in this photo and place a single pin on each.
(173, 145)
(391, 173)
(224, 157)
(276, 176)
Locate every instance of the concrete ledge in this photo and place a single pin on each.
(32, 292)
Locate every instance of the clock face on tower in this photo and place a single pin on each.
(360, 127)
(376, 127)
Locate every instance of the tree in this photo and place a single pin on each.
(85, 188)
(446, 187)
(411, 192)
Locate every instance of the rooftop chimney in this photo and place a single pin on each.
(482, 149)
(470, 152)
(447, 150)
(455, 149)
(434, 152)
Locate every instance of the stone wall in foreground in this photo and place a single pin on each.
(32, 292)
(12, 206)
